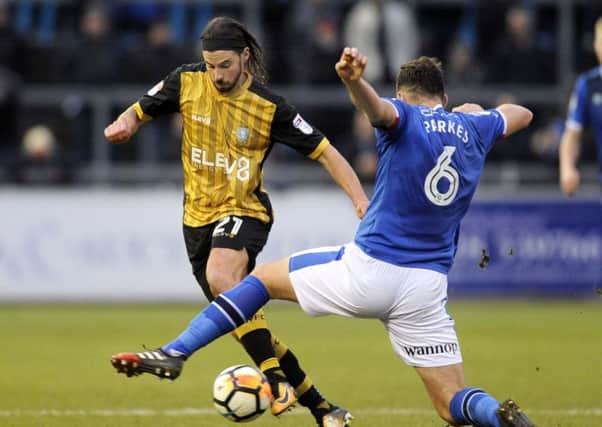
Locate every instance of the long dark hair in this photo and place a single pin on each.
(225, 28)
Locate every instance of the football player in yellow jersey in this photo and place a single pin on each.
(230, 122)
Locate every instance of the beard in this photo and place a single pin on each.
(224, 86)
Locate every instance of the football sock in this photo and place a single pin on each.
(258, 344)
(257, 341)
(307, 394)
(473, 406)
(228, 311)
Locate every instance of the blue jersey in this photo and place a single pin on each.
(585, 108)
(429, 166)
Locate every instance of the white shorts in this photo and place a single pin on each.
(411, 302)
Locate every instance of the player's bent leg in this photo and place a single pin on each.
(253, 336)
(225, 268)
(257, 341)
(460, 405)
(442, 384)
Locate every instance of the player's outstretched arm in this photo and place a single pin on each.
(342, 173)
(517, 117)
(350, 69)
(124, 127)
(568, 155)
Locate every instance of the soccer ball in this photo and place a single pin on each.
(241, 393)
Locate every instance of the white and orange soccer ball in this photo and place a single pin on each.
(241, 393)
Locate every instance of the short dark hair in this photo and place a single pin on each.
(422, 76)
(226, 28)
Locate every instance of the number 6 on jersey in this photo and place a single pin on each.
(442, 170)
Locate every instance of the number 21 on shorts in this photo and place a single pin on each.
(233, 222)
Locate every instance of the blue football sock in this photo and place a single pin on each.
(227, 312)
(473, 406)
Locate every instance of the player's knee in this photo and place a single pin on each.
(219, 281)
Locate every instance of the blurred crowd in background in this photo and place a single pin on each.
(109, 44)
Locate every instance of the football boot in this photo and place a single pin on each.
(510, 415)
(154, 362)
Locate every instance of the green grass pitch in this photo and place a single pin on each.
(56, 369)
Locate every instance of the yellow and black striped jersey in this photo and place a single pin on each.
(226, 139)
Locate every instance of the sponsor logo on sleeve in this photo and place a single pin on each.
(302, 125)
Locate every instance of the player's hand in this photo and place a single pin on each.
(351, 64)
(361, 208)
(119, 131)
(569, 180)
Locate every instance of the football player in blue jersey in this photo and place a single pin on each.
(585, 110)
(395, 270)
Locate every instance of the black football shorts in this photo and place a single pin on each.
(231, 232)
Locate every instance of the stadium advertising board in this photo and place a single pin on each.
(543, 248)
(127, 245)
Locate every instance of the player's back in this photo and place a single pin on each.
(429, 166)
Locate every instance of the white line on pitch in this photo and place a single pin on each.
(573, 412)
